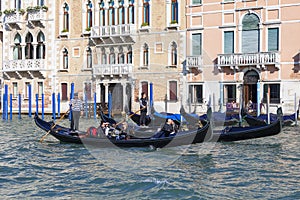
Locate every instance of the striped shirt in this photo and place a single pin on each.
(76, 104)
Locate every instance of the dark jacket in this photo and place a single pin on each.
(143, 102)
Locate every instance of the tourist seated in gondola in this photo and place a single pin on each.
(169, 129)
(103, 129)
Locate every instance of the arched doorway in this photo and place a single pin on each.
(251, 78)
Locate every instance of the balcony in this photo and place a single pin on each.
(21, 68)
(112, 70)
(36, 15)
(12, 18)
(193, 62)
(115, 30)
(260, 60)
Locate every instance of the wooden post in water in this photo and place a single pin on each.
(10, 113)
(37, 104)
(58, 105)
(43, 105)
(295, 108)
(268, 109)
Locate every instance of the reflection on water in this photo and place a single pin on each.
(266, 168)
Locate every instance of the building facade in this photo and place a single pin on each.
(194, 53)
(242, 51)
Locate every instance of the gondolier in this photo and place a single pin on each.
(75, 108)
(143, 108)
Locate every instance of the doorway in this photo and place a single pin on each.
(250, 87)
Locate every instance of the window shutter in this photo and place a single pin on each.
(250, 41)
(228, 42)
(196, 44)
(273, 39)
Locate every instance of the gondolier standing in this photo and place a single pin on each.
(143, 108)
(75, 107)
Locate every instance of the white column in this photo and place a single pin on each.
(106, 92)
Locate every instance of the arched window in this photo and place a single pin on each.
(131, 11)
(121, 12)
(89, 15)
(250, 34)
(40, 50)
(129, 55)
(89, 57)
(29, 46)
(101, 13)
(145, 55)
(65, 59)
(174, 11)
(174, 54)
(111, 13)
(112, 56)
(103, 57)
(146, 12)
(121, 59)
(66, 18)
(17, 47)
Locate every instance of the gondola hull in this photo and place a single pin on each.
(181, 138)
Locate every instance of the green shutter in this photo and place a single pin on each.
(250, 41)
(228, 42)
(196, 44)
(273, 39)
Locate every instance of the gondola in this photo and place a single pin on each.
(230, 134)
(288, 120)
(63, 134)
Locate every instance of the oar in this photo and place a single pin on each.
(54, 126)
(130, 116)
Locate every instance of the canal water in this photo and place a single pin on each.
(265, 168)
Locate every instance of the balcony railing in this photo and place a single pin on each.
(193, 62)
(114, 30)
(23, 65)
(246, 59)
(12, 18)
(113, 69)
(36, 15)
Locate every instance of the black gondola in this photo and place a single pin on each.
(63, 134)
(230, 134)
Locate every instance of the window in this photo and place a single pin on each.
(196, 2)
(40, 50)
(273, 39)
(229, 93)
(131, 12)
(89, 58)
(273, 91)
(129, 55)
(174, 11)
(111, 13)
(101, 13)
(40, 89)
(15, 90)
(64, 92)
(88, 91)
(65, 59)
(27, 84)
(103, 56)
(145, 55)
(121, 12)
(146, 12)
(196, 93)
(112, 56)
(173, 90)
(40, 2)
(228, 42)
(121, 58)
(173, 54)
(29, 46)
(89, 15)
(17, 55)
(66, 18)
(18, 4)
(197, 44)
(250, 33)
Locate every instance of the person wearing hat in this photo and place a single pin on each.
(75, 108)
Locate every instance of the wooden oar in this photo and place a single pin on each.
(54, 126)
